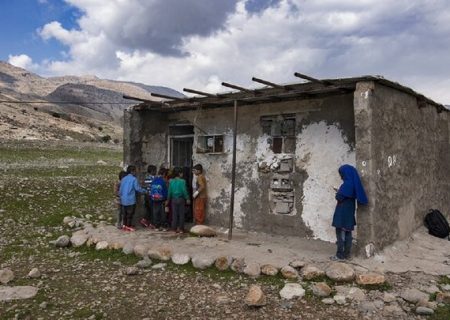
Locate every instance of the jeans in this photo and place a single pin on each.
(344, 243)
(159, 214)
(178, 209)
(119, 217)
(128, 213)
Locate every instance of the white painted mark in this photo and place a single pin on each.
(364, 163)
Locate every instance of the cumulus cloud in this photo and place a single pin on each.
(199, 43)
(22, 61)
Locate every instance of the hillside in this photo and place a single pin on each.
(83, 108)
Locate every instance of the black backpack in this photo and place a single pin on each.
(437, 224)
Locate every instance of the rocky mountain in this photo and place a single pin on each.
(68, 107)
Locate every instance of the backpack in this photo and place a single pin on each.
(437, 224)
(158, 190)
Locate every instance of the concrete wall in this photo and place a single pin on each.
(403, 154)
(325, 139)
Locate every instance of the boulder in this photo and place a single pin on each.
(79, 238)
(252, 269)
(180, 258)
(6, 275)
(16, 293)
(297, 264)
(223, 263)
(310, 272)
(238, 265)
(34, 273)
(339, 299)
(339, 271)
(62, 241)
(101, 245)
(140, 250)
(443, 297)
(269, 270)
(292, 290)
(163, 253)
(144, 263)
(255, 297)
(202, 262)
(321, 289)
(351, 293)
(328, 301)
(203, 231)
(128, 248)
(424, 311)
(413, 295)
(289, 273)
(370, 278)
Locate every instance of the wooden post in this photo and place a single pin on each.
(233, 172)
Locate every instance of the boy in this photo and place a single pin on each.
(199, 195)
(158, 195)
(148, 221)
(119, 222)
(179, 198)
(127, 191)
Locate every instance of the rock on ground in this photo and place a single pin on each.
(144, 263)
(352, 293)
(223, 263)
(252, 269)
(297, 264)
(102, 245)
(269, 270)
(202, 262)
(131, 271)
(292, 290)
(339, 271)
(255, 297)
(163, 253)
(6, 275)
(203, 231)
(310, 272)
(321, 289)
(128, 248)
(370, 278)
(413, 295)
(289, 273)
(424, 311)
(443, 297)
(238, 265)
(34, 273)
(180, 259)
(79, 238)
(62, 241)
(140, 250)
(18, 292)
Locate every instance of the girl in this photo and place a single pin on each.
(178, 197)
(344, 215)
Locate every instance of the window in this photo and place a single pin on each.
(281, 129)
(210, 144)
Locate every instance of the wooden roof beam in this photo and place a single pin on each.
(305, 77)
(200, 93)
(167, 97)
(270, 84)
(232, 86)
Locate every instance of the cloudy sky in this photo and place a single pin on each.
(200, 43)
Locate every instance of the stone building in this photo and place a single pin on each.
(291, 139)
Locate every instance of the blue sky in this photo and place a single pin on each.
(200, 43)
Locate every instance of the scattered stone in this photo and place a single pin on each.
(68, 219)
(352, 293)
(297, 264)
(413, 295)
(427, 304)
(18, 292)
(102, 245)
(310, 272)
(131, 271)
(388, 297)
(202, 262)
(443, 297)
(367, 307)
(430, 289)
(269, 270)
(180, 259)
(321, 289)
(140, 250)
(6, 275)
(252, 269)
(238, 265)
(370, 278)
(255, 297)
(62, 241)
(339, 299)
(328, 301)
(223, 263)
(43, 305)
(289, 272)
(79, 238)
(339, 271)
(144, 263)
(101, 162)
(424, 311)
(393, 310)
(161, 265)
(116, 246)
(34, 273)
(203, 231)
(292, 290)
(128, 248)
(163, 253)
(445, 287)
(222, 299)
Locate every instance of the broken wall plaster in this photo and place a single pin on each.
(321, 149)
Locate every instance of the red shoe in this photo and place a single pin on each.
(131, 229)
(144, 222)
(150, 226)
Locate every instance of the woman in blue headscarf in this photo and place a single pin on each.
(350, 191)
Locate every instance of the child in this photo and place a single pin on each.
(199, 195)
(127, 191)
(147, 222)
(158, 195)
(344, 221)
(119, 222)
(178, 197)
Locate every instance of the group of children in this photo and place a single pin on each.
(166, 198)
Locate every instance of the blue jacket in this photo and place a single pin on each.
(128, 188)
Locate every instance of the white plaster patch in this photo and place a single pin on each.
(321, 149)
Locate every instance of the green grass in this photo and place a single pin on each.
(89, 253)
(441, 313)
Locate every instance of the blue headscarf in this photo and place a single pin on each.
(352, 186)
